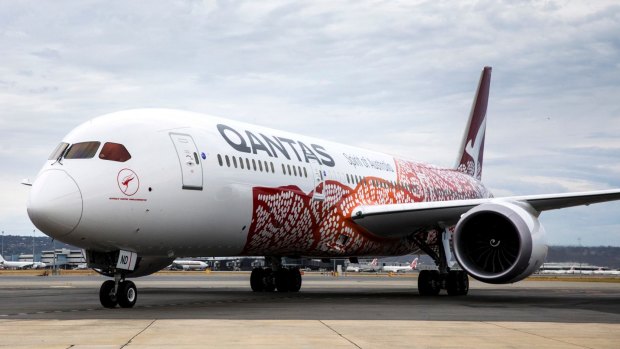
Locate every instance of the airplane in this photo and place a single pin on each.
(81, 266)
(138, 188)
(372, 266)
(399, 268)
(21, 265)
(189, 265)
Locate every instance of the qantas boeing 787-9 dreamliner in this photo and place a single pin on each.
(138, 188)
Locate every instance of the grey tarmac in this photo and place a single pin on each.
(218, 310)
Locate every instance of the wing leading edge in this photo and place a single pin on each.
(399, 220)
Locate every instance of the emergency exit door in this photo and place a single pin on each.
(191, 167)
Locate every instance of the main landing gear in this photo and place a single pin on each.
(118, 291)
(431, 282)
(275, 278)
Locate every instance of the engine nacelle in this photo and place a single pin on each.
(500, 242)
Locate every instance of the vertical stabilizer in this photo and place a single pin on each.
(472, 146)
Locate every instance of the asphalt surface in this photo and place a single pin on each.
(360, 304)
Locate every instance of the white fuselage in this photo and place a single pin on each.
(187, 190)
(190, 265)
(396, 268)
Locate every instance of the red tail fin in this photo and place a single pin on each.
(472, 146)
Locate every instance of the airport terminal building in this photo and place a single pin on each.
(62, 258)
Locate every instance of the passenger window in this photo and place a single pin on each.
(294, 171)
(260, 165)
(84, 150)
(114, 152)
(305, 173)
(283, 169)
(219, 159)
(247, 164)
(60, 149)
(241, 162)
(272, 169)
(254, 164)
(234, 161)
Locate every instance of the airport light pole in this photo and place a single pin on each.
(2, 254)
(580, 254)
(32, 245)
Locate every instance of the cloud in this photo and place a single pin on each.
(393, 76)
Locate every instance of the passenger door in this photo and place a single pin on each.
(319, 182)
(191, 167)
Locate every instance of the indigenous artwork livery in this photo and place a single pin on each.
(138, 189)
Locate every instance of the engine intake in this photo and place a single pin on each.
(500, 242)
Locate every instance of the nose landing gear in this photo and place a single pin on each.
(118, 291)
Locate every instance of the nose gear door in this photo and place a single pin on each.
(191, 168)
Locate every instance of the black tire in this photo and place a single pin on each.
(428, 283)
(106, 294)
(294, 280)
(127, 294)
(457, 283)
(283, 280)
(256, 280)
(269, 284)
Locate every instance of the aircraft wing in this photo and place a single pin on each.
(398, 220)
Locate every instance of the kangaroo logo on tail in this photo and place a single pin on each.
(472, 145)
(414, 264)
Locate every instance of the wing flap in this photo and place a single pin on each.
(398, 220)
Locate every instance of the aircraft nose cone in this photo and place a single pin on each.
(55, 203)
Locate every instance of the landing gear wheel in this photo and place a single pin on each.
(106, 294)
(256, 280)
(294, 280)
(429, 283)
(127, 294)
(283, 277)
(457, 283)
(269, 284)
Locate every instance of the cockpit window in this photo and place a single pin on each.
(114, 152)
(60, 149)
(84, 150)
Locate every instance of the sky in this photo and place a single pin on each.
(392, 76)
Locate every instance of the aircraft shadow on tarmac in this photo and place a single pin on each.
(529, 305)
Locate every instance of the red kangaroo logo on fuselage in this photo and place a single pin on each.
(126, 181)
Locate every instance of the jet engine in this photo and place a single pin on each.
(500, 242)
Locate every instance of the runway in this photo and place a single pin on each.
(219, 310)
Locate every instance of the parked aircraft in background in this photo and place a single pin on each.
(81, 266)
(575, 268)
(400, 268)
(21, 265)
(189, 265)
(360, 267)
(137, 189)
